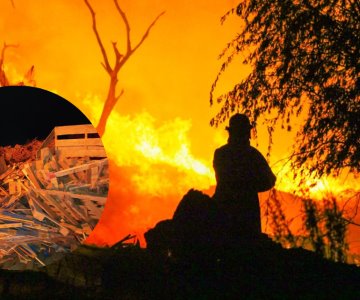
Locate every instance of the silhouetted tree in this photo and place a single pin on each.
(335, 230)
(276, 219)
(120, 60)
(312, 220)
(326, 228)
(305, 56)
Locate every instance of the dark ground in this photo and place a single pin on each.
(187, 257)
(261, 271)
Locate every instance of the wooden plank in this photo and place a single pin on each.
(53, 203)
(93, 176)
(47, 141)
(41, 177)
(22, 256)
(14, 218)
(11, 225)
(3, 166)
(45, 207)
(91, 147)
(81, 152)
(78, 143)
(38, 227)
(94, 142)
(3, 191)
(100, 200)
(72, 170)
(44, 153)
(73, 228)
(36, 210)
(12, 241)
(30, 175)
(12, 187)
(7, 173)
(54, 183)
(80, 168)
(31, 253)
(75, 211)
(39, 164)
(11, 201)
(74, 129)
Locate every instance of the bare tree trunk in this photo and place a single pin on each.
(109, 104)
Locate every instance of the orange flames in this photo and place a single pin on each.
(341, 187)
(161, 144)
(138, 142)
(152, 168)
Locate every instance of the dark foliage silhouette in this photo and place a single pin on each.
(305, 57)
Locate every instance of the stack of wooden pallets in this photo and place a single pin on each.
(50, 205)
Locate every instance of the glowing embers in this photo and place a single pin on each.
(49, 205)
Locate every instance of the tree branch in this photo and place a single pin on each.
(3, 79)
(106, 64)
(5, 46)
(119, 58)
(118, 96)
(127, 26)
(351, 222)
(147, 32)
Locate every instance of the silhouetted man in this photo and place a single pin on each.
(241, 172)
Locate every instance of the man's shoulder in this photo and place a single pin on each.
(245, 149)
(256, 154)
(223, 149)
(254, 150)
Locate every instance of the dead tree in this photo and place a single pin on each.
(4, 81)
(120, 60)
(28, 78)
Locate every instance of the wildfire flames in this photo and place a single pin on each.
(153, 167)
(164, 116)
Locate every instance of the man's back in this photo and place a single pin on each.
(241, 172)
(241, 169)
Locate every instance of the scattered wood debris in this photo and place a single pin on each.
(49, 205)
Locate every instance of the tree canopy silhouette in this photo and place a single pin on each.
(305, 57)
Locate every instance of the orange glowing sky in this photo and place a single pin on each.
(166, 83)
(170, 76)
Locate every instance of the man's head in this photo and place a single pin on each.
(239, 125)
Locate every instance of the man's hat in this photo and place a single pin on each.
(239, 122)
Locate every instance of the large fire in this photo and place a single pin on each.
(158, 137)
(152, 168)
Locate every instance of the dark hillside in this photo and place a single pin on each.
(187, 259)
(258, 271)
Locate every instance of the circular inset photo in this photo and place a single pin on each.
(54, 177)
